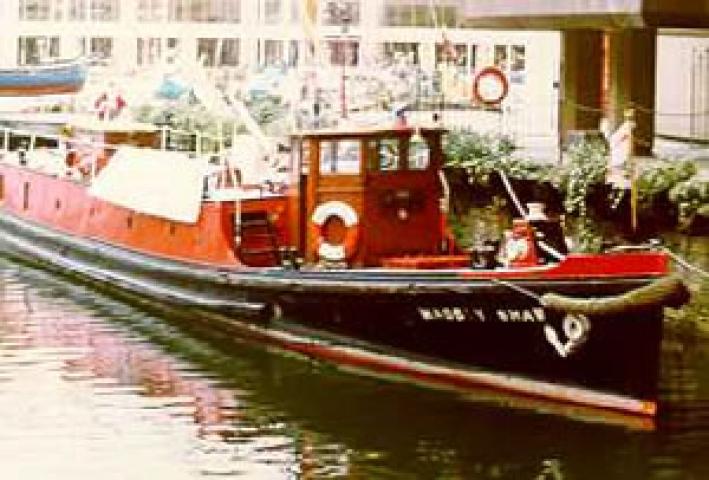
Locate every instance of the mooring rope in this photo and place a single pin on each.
(654, 245)
(511, 193)
(685, 264)
(517, 288)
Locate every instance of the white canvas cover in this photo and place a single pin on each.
(155, 182)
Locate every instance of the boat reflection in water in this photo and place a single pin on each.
(100, 389)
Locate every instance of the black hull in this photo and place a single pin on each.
(443, 329)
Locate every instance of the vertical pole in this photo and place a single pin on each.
(343, 94)
(692, 94)
(163, 137)
(629, 115)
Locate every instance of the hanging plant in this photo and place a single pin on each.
(585, 168)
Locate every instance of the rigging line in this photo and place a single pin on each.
(434, 14)
(579, 106)
(684, 263)
(639, 108)
(644, 109)
(511, 193)
(517, 288)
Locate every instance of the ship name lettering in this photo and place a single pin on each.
(524, 315)
(451, 314)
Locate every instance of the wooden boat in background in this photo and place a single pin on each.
(340, 251)
(44, 79)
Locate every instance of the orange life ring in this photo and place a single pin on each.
(336, 252)
(481, 80)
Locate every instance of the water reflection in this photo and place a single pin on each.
(94, 388)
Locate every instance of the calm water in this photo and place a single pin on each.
(92, 388)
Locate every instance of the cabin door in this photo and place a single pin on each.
(335, 200)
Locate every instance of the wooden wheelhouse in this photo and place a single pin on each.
(388, 178)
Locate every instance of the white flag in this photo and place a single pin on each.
(621, 147)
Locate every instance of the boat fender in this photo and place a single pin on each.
(668, 292)
(348, 216)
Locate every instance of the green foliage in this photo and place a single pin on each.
(267, 109)
(663, 178)
(586, 167)
(189, 118)
(692, 198)
(481, 155)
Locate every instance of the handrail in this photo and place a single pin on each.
(200, 137)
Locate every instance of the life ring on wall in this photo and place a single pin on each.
(348, 216)
(109, 106)
(490, 86)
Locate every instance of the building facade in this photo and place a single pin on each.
(233, 37)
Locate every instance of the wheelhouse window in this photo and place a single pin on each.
(419, 153)
(387, 154)
(339, 157)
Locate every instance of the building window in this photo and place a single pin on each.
(149, 51)
(211, 11)
(341, 13)
(272, 52)
(453, 54)
(293, 52)
(500, 57)
(77, 10)
(36, 50)
(230, 52)
(101, 47)
(272, 11)
(512, 60)
(34, 9)
(398, 51)
(58, 10)
(518, 64)
(218, 52)
(150, 10)
(343, 52)
(413, 13)
(104, 10)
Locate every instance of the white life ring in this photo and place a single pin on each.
(348, 216)
(109, 106)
